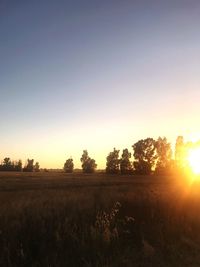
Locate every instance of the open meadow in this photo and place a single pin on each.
(58, 219)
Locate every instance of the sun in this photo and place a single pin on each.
(194, 160)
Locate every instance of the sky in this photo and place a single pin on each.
(96, 75)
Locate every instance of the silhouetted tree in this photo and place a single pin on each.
(125, 164)
(113, 162)
(164, 156)
(7, 164)
(88, 164)
(18, 166)
(37, 167)
(29, 166)
(145, 155)
(69, 165)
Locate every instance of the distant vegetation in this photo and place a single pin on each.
(69, 166)
(8, 165)
(88, 165)
(30, 167)
(149, 156)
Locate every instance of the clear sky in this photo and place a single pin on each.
(95, 75)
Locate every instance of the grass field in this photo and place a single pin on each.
(57, 219)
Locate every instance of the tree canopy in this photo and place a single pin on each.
(69, 165)
(8, 165)
(125, 163)
(145, 155)
(88, 165)
(113, 162)
(164, 156)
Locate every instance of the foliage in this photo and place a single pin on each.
(8, 165)
(125, 164)
(111, 227)
(18, 166)
(88, 165)
(150, 156)
(37, 167)
(29, 166)
(113, 162)
(7, 162)
(164, 156)
(145, 155)
(69, 165)
(105, 226)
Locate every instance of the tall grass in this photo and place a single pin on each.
(101, 223)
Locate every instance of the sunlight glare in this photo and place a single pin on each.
(194, 160)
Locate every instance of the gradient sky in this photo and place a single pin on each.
(95, 75)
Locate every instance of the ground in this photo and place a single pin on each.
(58, 219)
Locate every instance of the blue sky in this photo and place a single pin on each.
(95, 75)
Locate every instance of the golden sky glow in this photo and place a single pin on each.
(96, 76)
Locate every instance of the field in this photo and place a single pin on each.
(57, 219)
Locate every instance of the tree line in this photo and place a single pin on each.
(8, 165)
(146, 153)
(149, 156)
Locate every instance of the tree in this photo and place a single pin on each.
(88, 165)
(7, 164)
(180, 152)
(164, 156)
(69, 165)
(113, 161)
(145, 155)
(29, 166)
(125, 164)
(37, 167)
(18, 166)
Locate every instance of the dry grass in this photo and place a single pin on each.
(56, 219)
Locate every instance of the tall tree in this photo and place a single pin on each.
(113, 162)
(37, 167)
(69, 165)
(18, 166)
(125, 164)
(7, 164)
(29, 166)
(88, 165)
(145, 155)
(164, 155)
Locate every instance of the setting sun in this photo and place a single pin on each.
(194, 160)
